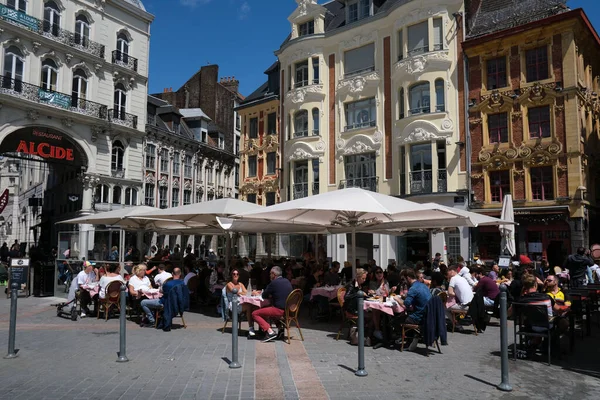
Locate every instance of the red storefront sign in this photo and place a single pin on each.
(3, 200)
(45, 149)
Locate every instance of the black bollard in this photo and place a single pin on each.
(504, 385)
(234, 331)
(14, 294)
(361, 336)
(122, 320)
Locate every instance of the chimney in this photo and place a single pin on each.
(231, 83)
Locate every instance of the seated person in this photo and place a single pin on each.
(139, 282)
(332, 277)
(552, 289)
(494, 274)
(378, 285)
(435, 287)
(314, 281)
(112, 274)
(460, 289)
(393, 276)
(489, 288)
(278, 291)
(415, 302)
(352, 289)
(188, 274)
(162, 276)
(86, 276)
(233, 284)
(148, 305)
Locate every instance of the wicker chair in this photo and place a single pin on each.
(292, 308)
(112, 298)
(347, 318)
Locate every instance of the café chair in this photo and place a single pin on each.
(527, 316)
(226, 313)
(158, 315)
(113, 297)
(460, 314)
(292, 308)
(347, 318)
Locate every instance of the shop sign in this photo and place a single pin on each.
(19, 18)
(54, 98)
(44, 149)
(3, 200)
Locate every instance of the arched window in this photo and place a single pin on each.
(101, 195)
(51, 18)
(418, 98)
(120, 102)
(301, 124)
(118, 151)
(49, 74)
(117, 195)
(130, 197)
(79, 91)
(82, 30)
(13, 69)
(315, 117)
(440, 101)
(122, 48)
(19, 5)
(401, 110)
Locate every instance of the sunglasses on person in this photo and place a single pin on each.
(235, 274)
(379, 272)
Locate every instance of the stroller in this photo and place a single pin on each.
(72, 307)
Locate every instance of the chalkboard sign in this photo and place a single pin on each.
(19, 272)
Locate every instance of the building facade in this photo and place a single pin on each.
(369, 99)
(533, 115)
(73, 93)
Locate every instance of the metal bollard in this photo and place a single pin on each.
(122, 320)
(14, 294)
(504, 385)
(234, 331)
(361, 335)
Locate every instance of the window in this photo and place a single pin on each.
(440, 103)
(358, 9)
(300, 179)
(251, 198)
(542, 183)
(253, 128)
(401, 105)
(361, 172)
(164, 160)
(79, 91)
(177, 127)
(82, 30)
(316, 113)
(539, 122)
(400, 45)
(13, 69)
(163, 197)
(361, 114)
(315, 168)
(272, 124)
(454, 249)
(175, 197)
(301, 69)
(419, 98)
(301, 124)
(438, 34)
(271, 163)
(199, 196)
(496, 73)
(176, 163)
(537, 64)
(221, 140)
(237, 145)
(237, 175)
(315, 65)
(252, 167)
(117, 195)
(150, 156)
(498, 128)
(187, 166)
(270, 198)
(122, 48)
(130, 197)
(120, 102)
(209, 175)
(442, 173)
(421, 166)
(307, 28)
(360, 60)
(149, 195)
(51, 18)
(418, 38)
(499, 185)
(101, 195)
(187, 197)
(49, 75)
(19, 5)
(118, 152)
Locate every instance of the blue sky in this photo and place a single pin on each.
(238, 35)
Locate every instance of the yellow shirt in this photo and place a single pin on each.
(560, 296)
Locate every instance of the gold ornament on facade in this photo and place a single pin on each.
(484, 156)
(539, 158)
(519, 173)
(497, 163)
(525, 151)
(475, 121)
(271, 185)
(477, 175)
(517, 115)
(554, 148)
(562, 169)
(511, 153)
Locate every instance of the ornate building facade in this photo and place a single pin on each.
(534, 122)
(369, 98)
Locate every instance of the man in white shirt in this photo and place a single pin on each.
(85, 277)
(460, 289)
(466, 273)
(162, 276)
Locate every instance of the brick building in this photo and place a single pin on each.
(533, 117)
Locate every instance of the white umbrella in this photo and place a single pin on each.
(127, 218)
(351, 209)
(508, 230)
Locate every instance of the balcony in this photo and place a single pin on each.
(300, 190)
(52, 32)
(27, 91)
(369, 183)
(442, 182)
(122, 118)
(124, 60)
(421, 182)
(360, 125)
(118, 173)
(315, 188)
(358, 72)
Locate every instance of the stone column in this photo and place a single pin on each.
(260, 246)
(243, 245)
(89, 183)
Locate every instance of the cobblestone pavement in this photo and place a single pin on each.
(61, 359)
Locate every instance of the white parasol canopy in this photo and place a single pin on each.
(508, 230)
(127, 218)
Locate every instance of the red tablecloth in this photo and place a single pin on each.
(327, 291)
(254, 300)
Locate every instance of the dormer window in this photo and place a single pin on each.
(358, 9)
(307, 28)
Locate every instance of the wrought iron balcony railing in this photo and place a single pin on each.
(27, 91)
(315, 188)
(120, 117)
(124, 60)
(368, 183)
(51, 31)
(442, 181)
(421, 182)
(361, 125)
(118, 173)
(300, 190)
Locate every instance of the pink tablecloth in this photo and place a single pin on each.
(254, 300)
(383, 307)
(327, 291)
(92, 289)
(153, 295)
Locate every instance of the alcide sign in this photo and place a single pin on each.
(45, 149)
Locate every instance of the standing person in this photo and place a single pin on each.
(278, 290)
(435, 263)
(202, 250)
(4, 253)
(114, 254)
(577, 264)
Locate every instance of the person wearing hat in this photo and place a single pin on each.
(477, 260)
(88, 275)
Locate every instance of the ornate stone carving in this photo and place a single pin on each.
(447, 124)
(497, 162)
(377, 137)
(358, 83)
(176, 183)
(163, 182)
(299, 154)
(199, 189)
(476, 175)
(511, 153)
(554, 148)
(36, 47)
(516, 115)
(524, 151)
(149, 178)
(96, 130)
(420, 135)
(418, 64)
(298, 95)
(358, 40)
(562, 169)
(68, 122)
(89, 181)
(475, 121)
(519, 172)
(538, 158)
(33, 114)
(320, 146)
(357, 147)
(484, 156)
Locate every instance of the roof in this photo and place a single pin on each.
(193, 113)
(136, 3)
(156, 101)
